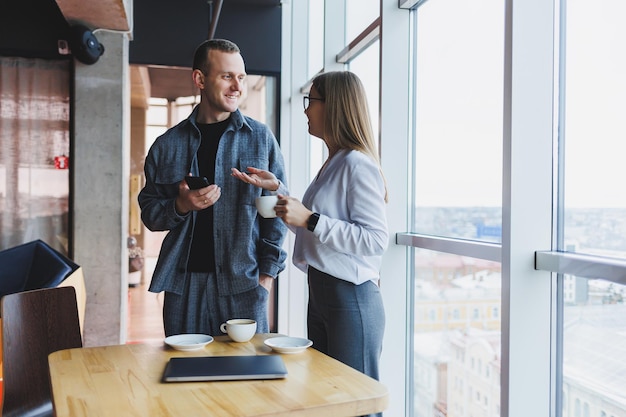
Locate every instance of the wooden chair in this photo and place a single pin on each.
(34, 324)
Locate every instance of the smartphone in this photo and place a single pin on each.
(196, 183)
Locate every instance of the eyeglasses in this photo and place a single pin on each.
(306, 101)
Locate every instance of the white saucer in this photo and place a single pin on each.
(288, 344)
(188, 341)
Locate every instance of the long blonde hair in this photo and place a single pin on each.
(348, 124)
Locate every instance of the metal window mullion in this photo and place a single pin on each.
(581, 265)
(473, 249)
(370, 35)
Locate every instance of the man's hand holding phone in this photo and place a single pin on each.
(195, 183)
(195, 193)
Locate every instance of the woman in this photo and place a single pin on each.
(340, 225)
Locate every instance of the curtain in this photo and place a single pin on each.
(34, 151)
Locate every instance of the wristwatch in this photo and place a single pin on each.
(312, 222)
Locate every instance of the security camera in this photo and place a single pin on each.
(84, 45)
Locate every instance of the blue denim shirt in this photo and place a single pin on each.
(246, 244)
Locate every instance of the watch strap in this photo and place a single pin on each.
(312, 222)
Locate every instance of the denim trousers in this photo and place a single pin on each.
(346, 321)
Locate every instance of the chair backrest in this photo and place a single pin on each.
(34, 324)
(31, 266)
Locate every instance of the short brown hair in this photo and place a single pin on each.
(200, 57)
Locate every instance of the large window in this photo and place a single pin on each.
(593, 211)
(359, 14)
(315, 37)
(457, 188)
(457, 313)
(507, 191)
(594, 334)
(366, 66)
(594, 133)
(458, 119)
(34, 152)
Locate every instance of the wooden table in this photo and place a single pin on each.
(124, 380)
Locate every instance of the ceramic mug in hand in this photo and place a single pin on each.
(240, 330)
(265, 205)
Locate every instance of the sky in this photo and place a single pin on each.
(459, 80)
(459, 107)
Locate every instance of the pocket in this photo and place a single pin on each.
(170, 174)
(167, 178)
(260, 163)
(251, 192)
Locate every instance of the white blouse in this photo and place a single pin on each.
(351, 234)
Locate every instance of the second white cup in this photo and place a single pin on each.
(240, 330)
(265, 205)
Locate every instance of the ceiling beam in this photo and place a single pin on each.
(102, 14)
(215, 7)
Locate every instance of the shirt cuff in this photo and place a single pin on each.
(282, 189)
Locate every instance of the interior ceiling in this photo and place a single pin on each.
(150, 81)
(170, 83)
(164, 82)
(103, 14)
(117, 14)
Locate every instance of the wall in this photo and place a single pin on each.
(101, 176)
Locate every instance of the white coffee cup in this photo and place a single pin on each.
(240, 330)
(265, 205)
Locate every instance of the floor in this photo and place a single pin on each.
(145, 321)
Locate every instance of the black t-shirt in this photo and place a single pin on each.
(202, 255)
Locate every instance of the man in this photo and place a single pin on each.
(219, 259)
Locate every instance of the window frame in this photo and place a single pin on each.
(529, 90)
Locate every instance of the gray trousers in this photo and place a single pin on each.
(346, 321)
(201, 310)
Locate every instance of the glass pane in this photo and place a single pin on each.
(316, 37)
(458, 119)
(457, 314)
(595, 134)
(367, 66)
(157, 115)
(317, 155)
(183, 108)
(255, 102)
(594, 336)
(34, 152)
(153, 132)
(359, 15)
(156, 101)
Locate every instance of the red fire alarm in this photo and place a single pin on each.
(61, 162)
